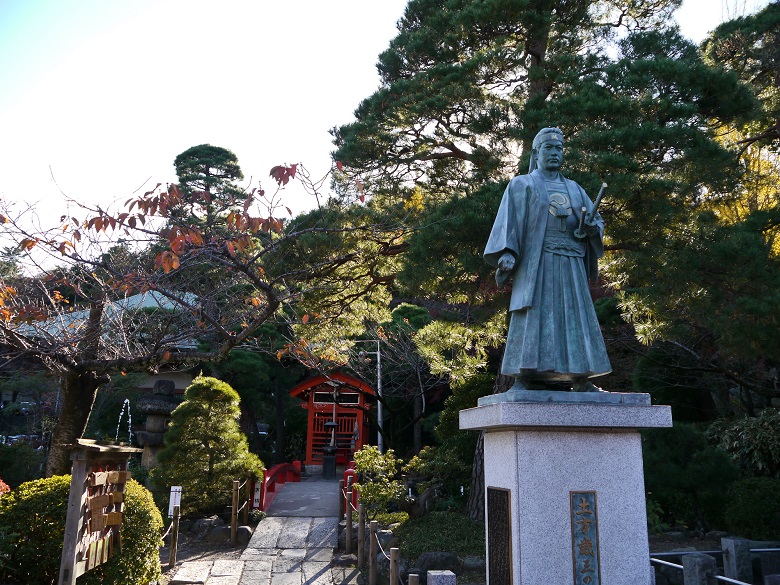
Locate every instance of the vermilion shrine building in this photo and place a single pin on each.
(337, 398)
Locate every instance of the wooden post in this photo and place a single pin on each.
(234, 515)
(393, 566)
(372, 576)
(73, 522)
(247, 501)
(348, 527)
(361, 536)
(341, 499)
(414, 579)
(174, 537)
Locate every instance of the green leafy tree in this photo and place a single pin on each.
(91, 310)
(205, 449)
(409, 387)
(263, 382)
(378, 483)
(465, 85)
(717, 310)
(687, 478)
(208, 174)
(753, 443)
(750, 46)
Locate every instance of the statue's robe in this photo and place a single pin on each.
(553, 330)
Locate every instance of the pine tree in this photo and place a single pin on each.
(204, 448)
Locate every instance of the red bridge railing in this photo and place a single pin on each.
(278, 475)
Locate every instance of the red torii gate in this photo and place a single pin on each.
(338, 398)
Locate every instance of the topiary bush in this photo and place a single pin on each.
(139, 562)
(32, 527)
(205, 449)
(33, 521)
(753, 509)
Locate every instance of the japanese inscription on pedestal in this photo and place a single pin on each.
(585, 538)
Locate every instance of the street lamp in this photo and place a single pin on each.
(380, 443)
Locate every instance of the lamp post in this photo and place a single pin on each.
(380, 443)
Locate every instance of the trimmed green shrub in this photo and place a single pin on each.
(379, 489)
(33, 519)
(205, 449)
(441, 531)
(753, 509)
(142, 526)
(32, 527)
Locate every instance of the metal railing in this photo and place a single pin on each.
(706, 571)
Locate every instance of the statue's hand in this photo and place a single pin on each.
(591, 228)
(506, 263)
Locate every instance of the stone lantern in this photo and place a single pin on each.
(157, 407)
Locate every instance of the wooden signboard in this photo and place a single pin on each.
(95, 507)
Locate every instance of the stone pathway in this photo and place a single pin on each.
(294, 545)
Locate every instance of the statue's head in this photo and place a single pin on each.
(547, 153)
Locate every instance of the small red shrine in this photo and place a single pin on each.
(336, 398)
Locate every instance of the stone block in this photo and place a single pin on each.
(737, 563)
(203, 525)
(440, 578)
(772, 580)
(243, 535)
(698, 569)
(218, 535)
(192, 572)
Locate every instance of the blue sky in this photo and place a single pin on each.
(102, 95)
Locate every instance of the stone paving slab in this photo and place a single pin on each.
(293, 553)
(287, 579)
(294, 532)
(344, 575)
(289, 548)
(251, 578)
(324, 533)
(267, 533)
(227, 568)
(258, 566)
(315, 573)
(287, 565)
(192, 572)
(224, 580)
(307, 498)
(259, 554)
(319, 554)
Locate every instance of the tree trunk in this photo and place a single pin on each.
(78, 397)
(280, 456)
(417, 430)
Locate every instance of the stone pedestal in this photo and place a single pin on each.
(565, 495)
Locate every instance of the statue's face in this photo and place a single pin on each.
(550, 155)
